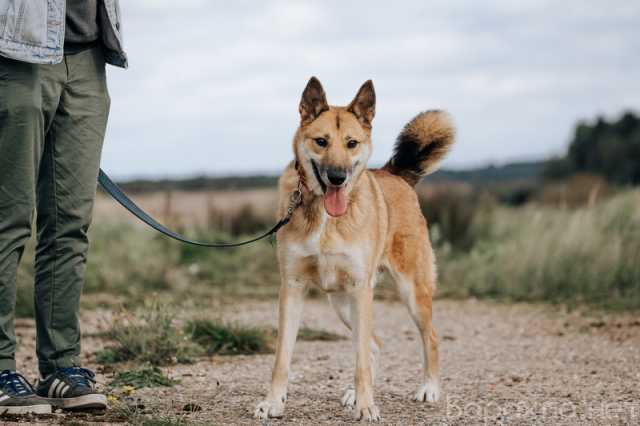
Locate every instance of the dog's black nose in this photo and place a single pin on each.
(336, 176)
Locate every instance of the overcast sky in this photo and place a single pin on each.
(213, 86)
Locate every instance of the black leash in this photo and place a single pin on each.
(114, 190)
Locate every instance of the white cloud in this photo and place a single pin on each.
(214, 86)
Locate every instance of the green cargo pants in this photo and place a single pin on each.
(52, 126)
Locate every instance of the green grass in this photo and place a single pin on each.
(220, 338)
(311, 334)
(144, 377)
(151, 337)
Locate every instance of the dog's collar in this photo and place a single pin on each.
(295, 199)
(302, 180)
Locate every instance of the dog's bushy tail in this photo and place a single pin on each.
(421, 145)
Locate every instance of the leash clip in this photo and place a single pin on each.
(294, 201)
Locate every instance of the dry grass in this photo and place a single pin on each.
(181, 208)
(534, 252)
(588, 255)
(577, 191)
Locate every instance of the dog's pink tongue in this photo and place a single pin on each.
(335, 201)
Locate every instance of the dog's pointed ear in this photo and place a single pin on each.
(363, 106)
(313, 102)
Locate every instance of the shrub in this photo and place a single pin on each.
(244, 221)
(152, 338)
(450, 211)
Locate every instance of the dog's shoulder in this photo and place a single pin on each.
(395, 189)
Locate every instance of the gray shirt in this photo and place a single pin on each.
(81, 23)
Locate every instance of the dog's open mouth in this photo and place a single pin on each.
(335, 197)
(335, 200)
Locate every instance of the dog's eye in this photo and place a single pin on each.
(352, 143)
(321, 142)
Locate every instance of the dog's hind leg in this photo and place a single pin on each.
(340, 303)
(415, 282)
(290, 311)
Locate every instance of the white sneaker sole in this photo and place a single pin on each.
(26, 409)
(94, 401)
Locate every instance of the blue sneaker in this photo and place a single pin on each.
(18, 397)
(72, 388)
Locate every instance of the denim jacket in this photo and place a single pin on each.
(33, 31)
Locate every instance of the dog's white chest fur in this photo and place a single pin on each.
(335, 266)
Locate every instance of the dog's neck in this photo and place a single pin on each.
(302, 178)
(308, 195)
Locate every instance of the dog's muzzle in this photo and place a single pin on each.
(336, 176)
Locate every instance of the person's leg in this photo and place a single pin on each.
(21, 139)
(65, 198)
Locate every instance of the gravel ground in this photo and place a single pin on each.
(500, 364)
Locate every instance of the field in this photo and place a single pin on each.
(184, 335)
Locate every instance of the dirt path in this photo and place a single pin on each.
(501, 364)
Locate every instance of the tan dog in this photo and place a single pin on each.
(353, 221)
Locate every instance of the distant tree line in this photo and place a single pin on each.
(481, 176)
(607, 148)
(610, 149)
(201, 183)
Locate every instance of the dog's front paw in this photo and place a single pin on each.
(267, 409)
(429, 392)
(349, 398)
(370, 413)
